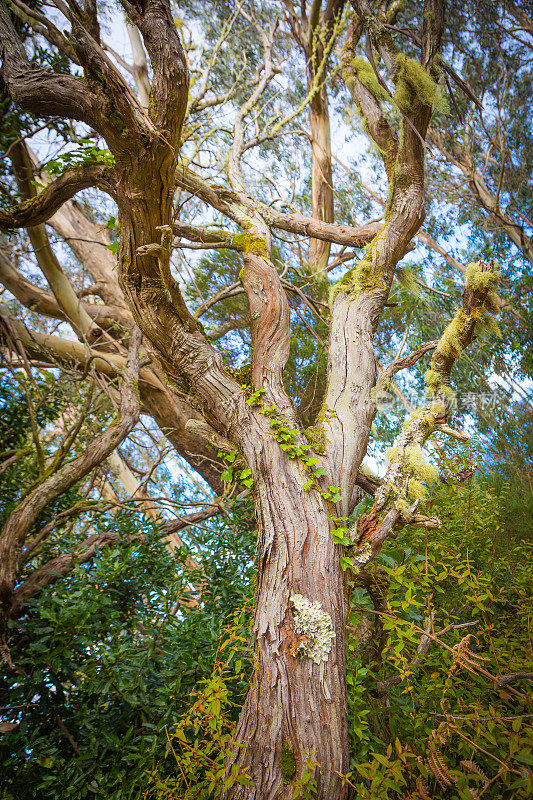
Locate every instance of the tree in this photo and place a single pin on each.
(307, 481)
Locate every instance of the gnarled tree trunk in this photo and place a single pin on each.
(295, 712)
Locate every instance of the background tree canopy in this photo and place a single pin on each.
(266, 396)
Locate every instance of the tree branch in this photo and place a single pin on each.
(40, 90)
(60, 566)
(41, 207)
(396, 501)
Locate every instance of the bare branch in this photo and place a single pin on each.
(170, 84)
(406, 361)
(40, 90)
(51, 198)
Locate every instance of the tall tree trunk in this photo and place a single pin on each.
(296, 710)
(321, 178)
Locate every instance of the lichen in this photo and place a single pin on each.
(315, 625)
(488, 326)
(287, 764)
(479, 278)
(437, 383)
(403, 507)
(437, 409)
(406, 278)
(450, 342)
(390, 454)
(416, 490)
(413, 79)
(368, 78)
(419, 467)
(249, 242)
(360, 558)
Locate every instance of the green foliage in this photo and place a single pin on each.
(442, 725)
(88, 153)
(200, 741)
(102, 658)
(25, 405)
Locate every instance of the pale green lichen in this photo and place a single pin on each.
(479, 278)
(391, 454)
(407, 280)
(414, 80)
(417, 490)
(487, 326)
(437, 409)
(403, 507)
(361, 557)
(368, 78)
(437, 383)
(316, 625)
(450, 341)
(493, 303)
(419, 467)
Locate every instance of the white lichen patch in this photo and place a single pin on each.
(360, 558)
(315, 625)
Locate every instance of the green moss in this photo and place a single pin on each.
(118, 122)
(368, 78)
(250, 243)
(243, 375)
(357, 280)
(414, 80)
(478, 278)
(287, 764)
(403, 95)
(316, 438)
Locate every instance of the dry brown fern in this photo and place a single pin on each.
(435, 762)
(435, 758)
(464, 657)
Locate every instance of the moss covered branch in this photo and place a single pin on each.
(409, 475)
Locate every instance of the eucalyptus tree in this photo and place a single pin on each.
(161, 167)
